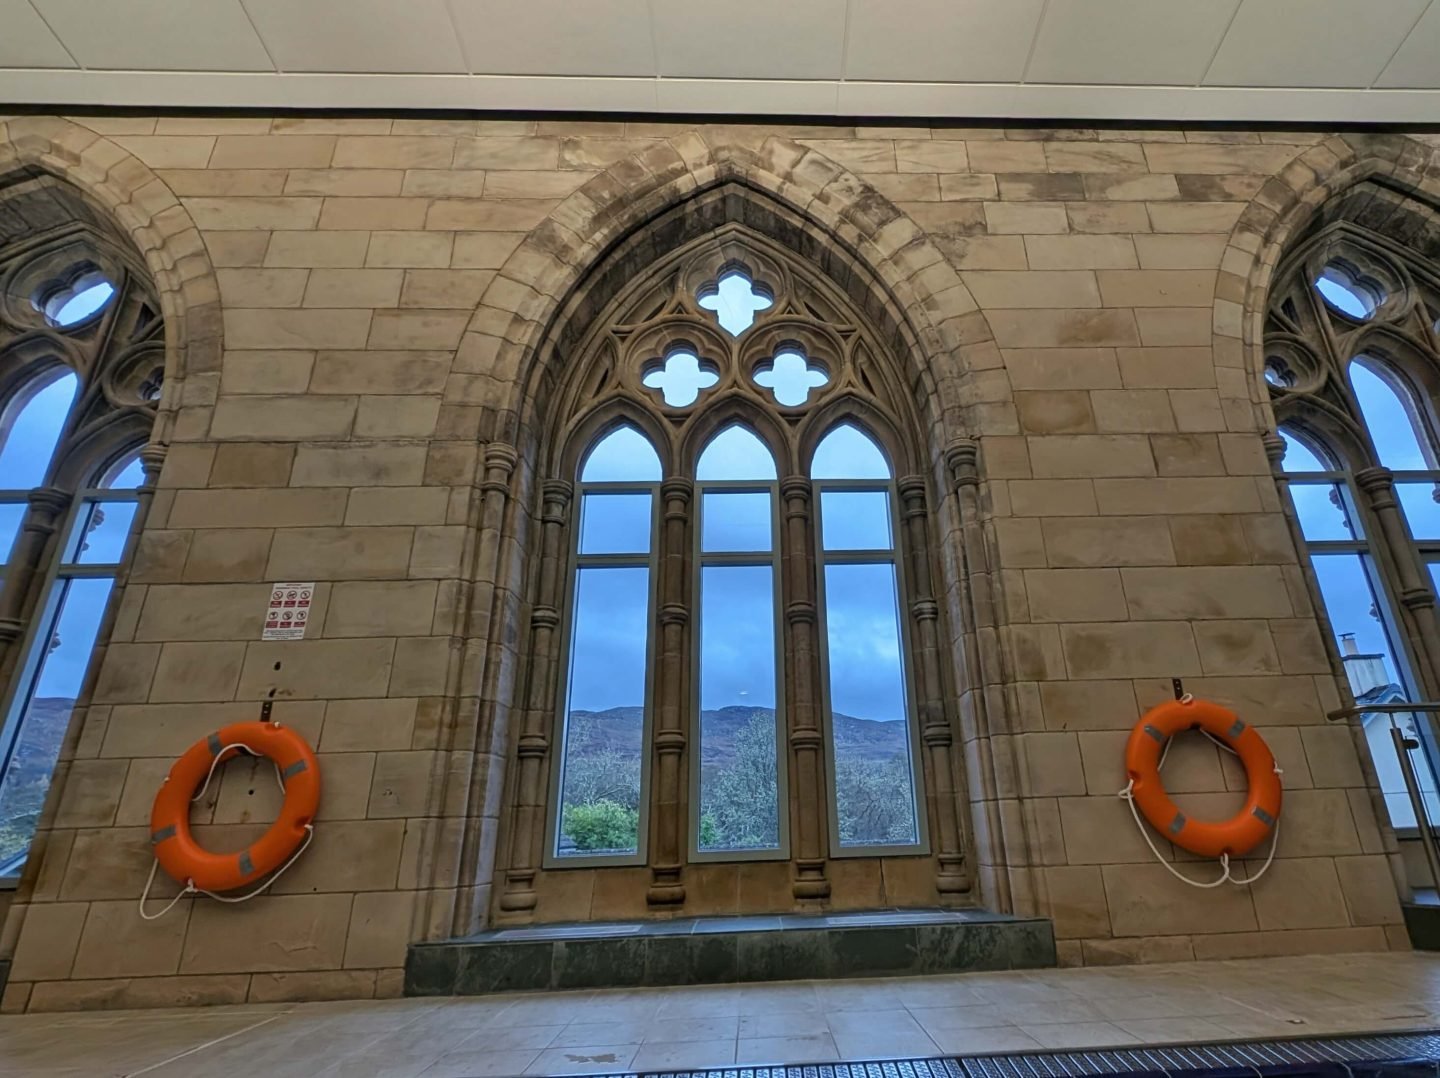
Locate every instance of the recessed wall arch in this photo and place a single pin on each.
(815, 299)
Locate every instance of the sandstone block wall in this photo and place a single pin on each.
(322, 273)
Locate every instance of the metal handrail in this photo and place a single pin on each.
(1407, 769)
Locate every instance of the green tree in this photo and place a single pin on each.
(740, 798)
(875, 799)
(602, 825)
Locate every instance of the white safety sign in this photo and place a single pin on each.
(289, 611)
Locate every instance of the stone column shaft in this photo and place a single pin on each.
(1416, 596)
(528, 835)
(27, 562)
(672, 683)
(935, 726)
(802, 674)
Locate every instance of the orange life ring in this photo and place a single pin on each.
(1236, 836)
(185, 859)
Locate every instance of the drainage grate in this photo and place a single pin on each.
(1330, 1057)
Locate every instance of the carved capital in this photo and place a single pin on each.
(556, 495)
(678, 489)
(47, 503)
(963, 459)
(500, 457)
(674, 614)
(795, 488)
(534, 745)
(925, 610)
(937, 737)
(152, 457)
(1417, 598)
(670, 742)
(1274, 448)
(1377, 482)
(806, 737)
(544, 617)
(912, 495)
(800, 612)
(10, 630)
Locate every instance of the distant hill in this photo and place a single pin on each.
(619, 729)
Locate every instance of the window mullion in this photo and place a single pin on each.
(803, 673)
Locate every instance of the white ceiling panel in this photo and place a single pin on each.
(157, 35)
(358, 35)
(556, 37)
(25, 40)
(756, 39)
(940, 40)
(1334, 43)
(1128, 42)
(1417, 63)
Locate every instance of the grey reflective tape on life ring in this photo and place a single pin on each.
(1156, 734)
(1178, 823)
(294, 769)
(1263, 816)
(214, 742)
(247, 866)
(1238, 728)
(157, 837)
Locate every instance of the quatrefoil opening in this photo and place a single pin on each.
(736, 300)
(681, 377)
(790, 376)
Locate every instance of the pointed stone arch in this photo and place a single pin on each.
(1279, 212)
(510, 347)
(160, 228)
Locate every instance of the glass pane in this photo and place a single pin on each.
(130, 475)
(615, 523)
(848, 453)
(1421, 502)
(605, 720)
(874, 785)
(30, 435)
(1388, 419)
(1343, 292)
(791, 378)
(735, 453)
(681, 378)
(739, 778)
(1354, 611)
(11, 515)
(1322, 511)
(855, 520)
(78, 303)
(1299, 457)
(735, 522)
(100, 533)
(47, 711)
(735, 302)
(622, 456)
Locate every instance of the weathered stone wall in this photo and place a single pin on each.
(1082, 304)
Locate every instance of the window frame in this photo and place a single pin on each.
(20, 687)
(699, 560)
(892, 556)
(575, 561)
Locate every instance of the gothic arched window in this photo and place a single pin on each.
(81, 353)
(1353, 368)
(733, 671)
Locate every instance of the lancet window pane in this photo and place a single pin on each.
(622, 456)
(32, 432)
(605, 713)
(737, 770)
(847, 453)
(1390, 417)
(735, 453)
(868, 724)
(604, 720)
